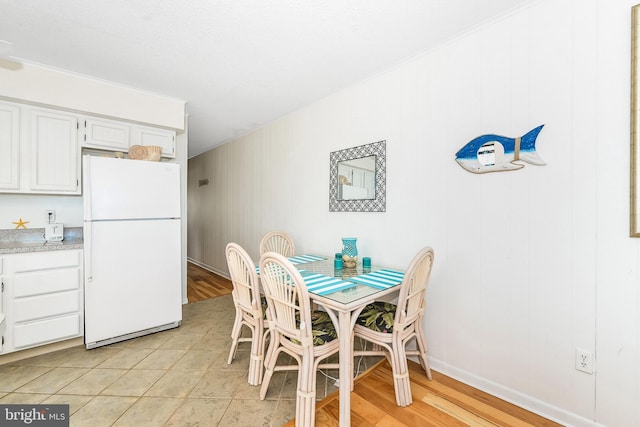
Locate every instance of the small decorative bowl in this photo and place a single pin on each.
(145, 152)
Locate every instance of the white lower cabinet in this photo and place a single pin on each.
(30, 334)
(3, 317)
(42, 298)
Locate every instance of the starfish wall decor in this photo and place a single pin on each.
(20, 223)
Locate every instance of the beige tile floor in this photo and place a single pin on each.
(178, 377)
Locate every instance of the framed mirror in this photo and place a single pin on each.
(357, 179)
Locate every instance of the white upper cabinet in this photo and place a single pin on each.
(9, 146)
(106, 134)
(114, 135)
(55, 159)
(143, 135)
(39, 150)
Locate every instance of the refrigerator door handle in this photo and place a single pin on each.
(88, 238)
(86, 184)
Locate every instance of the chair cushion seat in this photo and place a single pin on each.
(263, 304)
(378, 316)
(265, 307)
(323, 330)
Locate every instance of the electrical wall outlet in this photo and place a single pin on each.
(50, 217)
(584, 361)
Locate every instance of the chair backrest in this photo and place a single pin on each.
(411, 299)
(246, 288)
(287, 298)
(279, 242)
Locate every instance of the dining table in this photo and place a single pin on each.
(344, 293)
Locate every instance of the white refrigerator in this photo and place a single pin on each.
(132, 267)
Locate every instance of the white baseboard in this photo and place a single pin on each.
(42, 349)
(209, 268)
(527, 402)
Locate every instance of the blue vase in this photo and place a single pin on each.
(349, 252)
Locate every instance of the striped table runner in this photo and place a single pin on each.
(381, 279)
(299, 259)
(320, 284)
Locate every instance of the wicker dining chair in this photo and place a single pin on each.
(279, 242)
(249, 310)
(308, 337)
(391, 326)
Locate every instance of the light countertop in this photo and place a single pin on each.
(32, 240)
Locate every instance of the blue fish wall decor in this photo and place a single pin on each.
(495, 153)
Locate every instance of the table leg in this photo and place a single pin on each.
(345, 368)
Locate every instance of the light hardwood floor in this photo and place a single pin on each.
(441, 402)
(202, 284)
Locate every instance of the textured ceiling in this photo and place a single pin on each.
(239, 64)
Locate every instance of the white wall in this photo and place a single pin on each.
(42, 85)
(182, 149)
(32, 208)
(529, 264)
